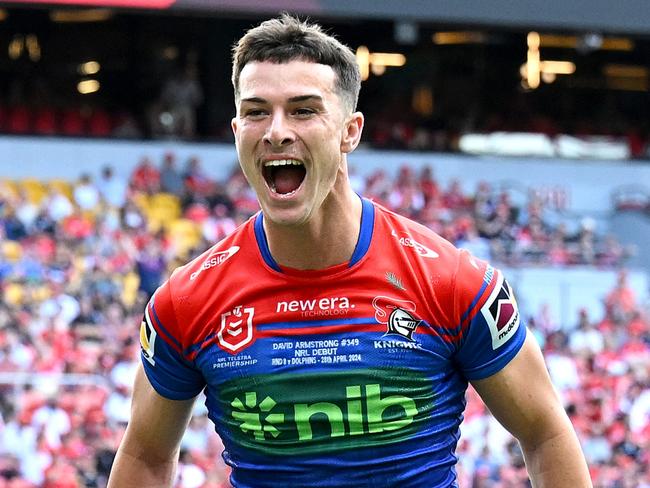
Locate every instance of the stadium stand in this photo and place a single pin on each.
(87, 233)
(74, 284)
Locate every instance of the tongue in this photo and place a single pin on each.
(287, 178)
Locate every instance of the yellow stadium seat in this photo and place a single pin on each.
(130, 284)
(162, 209)
(63, 186)
(12, 251)
(34, 189)
(141, 201)
(9, 188)
(184, 235)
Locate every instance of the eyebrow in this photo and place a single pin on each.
(297, 99)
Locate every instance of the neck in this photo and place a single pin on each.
(328, 239)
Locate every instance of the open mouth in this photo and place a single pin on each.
(284, 176)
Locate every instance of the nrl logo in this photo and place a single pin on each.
(396, 314)
(236, 330)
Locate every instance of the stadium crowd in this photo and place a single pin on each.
(79, 260)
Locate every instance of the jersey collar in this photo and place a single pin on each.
(360, 250)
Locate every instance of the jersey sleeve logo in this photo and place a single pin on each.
(408, 241)
(501, 313)
(147, 338)
(236, 330)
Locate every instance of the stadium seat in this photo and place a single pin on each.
(130, 284)
(9, 188)
(63, 186)
(184, 235)
(162, 209)
(35, 189)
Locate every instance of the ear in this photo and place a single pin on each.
(352, 132)
(233, 126)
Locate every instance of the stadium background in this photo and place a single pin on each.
(116, 164)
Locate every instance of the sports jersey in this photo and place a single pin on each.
(350, 376)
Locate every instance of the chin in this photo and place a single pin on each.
(286, 216)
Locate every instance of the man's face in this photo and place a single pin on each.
(291, 131)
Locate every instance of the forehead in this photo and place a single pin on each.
(268, 80)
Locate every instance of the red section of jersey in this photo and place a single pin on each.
(409, 282)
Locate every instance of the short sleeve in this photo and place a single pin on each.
(493, 332)
(170, 374)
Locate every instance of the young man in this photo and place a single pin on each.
(334, 339)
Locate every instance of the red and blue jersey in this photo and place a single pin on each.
(350, 376)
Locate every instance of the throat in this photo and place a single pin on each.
(325, 241)
(286, 179)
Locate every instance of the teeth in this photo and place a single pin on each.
(283, 162)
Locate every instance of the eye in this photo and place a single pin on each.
(304, 112)
(255, 113)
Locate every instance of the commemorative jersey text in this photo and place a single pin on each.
(340, 374)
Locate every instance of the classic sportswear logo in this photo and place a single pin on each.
(501, 313)
(214, 260)
(421, 249)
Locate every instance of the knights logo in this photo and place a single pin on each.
(501, 313)
(236, 330)
(397, 315)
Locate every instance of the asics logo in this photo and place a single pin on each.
(421, 249)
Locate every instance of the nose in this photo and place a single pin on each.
(279, 132)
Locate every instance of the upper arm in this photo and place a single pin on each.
(522, 397)
(157, 424)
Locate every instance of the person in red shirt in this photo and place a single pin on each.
(145, 177)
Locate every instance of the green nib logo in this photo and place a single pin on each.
(250, 414)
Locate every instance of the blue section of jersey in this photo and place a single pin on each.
(361, 248)
(263, 244)
(478, 361)
(171, 376)
(315, 323)
(365, 233)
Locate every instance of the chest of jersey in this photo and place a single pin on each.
(331, 364)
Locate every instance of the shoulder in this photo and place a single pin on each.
(192, 285)
(192, 276)
(424, 244)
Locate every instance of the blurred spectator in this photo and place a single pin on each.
(620, 302)
(181, 96)
(126, 127)
(151, 266)
(86, 195)
(586, 340)
(145, 177)
(58, 205)
(171, 180)
(196, 179)
(190, 475)
(53, 421)
(112, 189)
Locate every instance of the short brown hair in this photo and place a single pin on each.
(287, 38)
